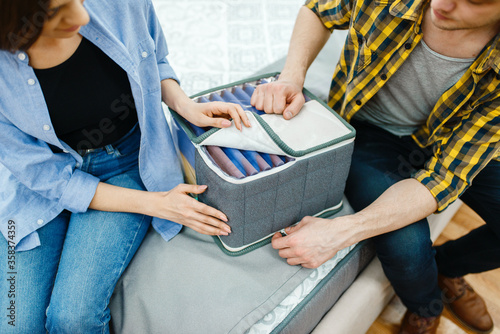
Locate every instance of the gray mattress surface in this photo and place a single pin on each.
(189, 286)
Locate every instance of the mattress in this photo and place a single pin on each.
(188, 286)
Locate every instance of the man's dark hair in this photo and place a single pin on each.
(21, 23)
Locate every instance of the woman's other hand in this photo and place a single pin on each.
(176, 205)
(216, 114)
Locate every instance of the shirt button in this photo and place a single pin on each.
(39, 221)
(144, 54)
(383, 77)
(46, 127)
(31, 82)
(21, 56)
(408, 46)
(65, 151)
(77, 165)
(358, 102)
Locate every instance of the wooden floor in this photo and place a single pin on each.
(486, 284)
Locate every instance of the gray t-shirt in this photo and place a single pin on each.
(406, 100)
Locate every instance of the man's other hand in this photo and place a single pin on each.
(312, 242)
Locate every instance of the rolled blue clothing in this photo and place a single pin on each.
(243, 161)
(241, 95)
(245, 98)
(234, 156)
(229, 97)
(276, 160)
(203, 99)
(267, 158)
(249, 89)
(223, 161)
(256, 160)
(216, 97)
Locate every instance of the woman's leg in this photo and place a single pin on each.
(25, 288)
(98, 247)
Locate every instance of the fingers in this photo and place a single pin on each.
(238, 115)
(294, 107)
(271, 98)
(278, 98)
(209, 211)
(190, 188)
(199, 216)
(257, 99)
(280, 242)
(216, 112)
(207, 225)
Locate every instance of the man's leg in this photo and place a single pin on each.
(479, 250)
(380, 160)
(98, 247)
(25, 295)
(475, 252)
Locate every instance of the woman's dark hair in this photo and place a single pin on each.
(21, 23)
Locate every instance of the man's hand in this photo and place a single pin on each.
(279, 97)
(313, 241)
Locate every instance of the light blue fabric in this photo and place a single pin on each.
(37, 184)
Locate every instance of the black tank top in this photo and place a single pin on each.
(89, 98)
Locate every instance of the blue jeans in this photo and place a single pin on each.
(411, 264)
(65, 284)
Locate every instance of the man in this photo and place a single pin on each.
(420, 82)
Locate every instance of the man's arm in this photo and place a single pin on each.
(314, 240)
(285, 95)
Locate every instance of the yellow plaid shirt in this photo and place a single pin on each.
(463, 128)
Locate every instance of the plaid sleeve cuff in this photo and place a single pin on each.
(443, 192)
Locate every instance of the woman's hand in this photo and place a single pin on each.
(216, 114)
(176, 205)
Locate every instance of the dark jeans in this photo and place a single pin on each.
(411, 264)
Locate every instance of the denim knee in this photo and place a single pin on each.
(406, 253)
(75, 318)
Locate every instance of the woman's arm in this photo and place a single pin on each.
(175, 205)
(214, 114)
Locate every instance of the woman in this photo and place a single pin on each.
(87, 157)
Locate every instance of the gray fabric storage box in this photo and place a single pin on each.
(318, 145)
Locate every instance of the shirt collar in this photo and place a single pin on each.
(408, 9)
(491, 57)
